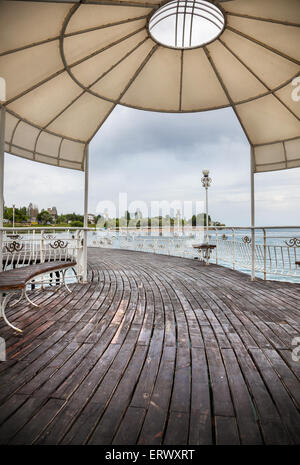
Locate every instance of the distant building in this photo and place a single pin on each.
(32, 212)
(91, 218)
(53, 213)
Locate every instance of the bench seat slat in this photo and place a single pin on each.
(17, 278)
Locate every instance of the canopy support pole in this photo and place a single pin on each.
(252, 215)
(85, 220)
(2, 146)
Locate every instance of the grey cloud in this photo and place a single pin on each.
(154, 156)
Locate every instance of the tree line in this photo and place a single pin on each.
(76, 220)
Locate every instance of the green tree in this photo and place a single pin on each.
(77, 224)
(61, 219)
(201, 219)
(20, 214)
(44, 217)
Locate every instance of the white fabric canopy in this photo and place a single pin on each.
(68, 64)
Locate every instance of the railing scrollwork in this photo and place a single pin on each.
(294, 242)
(246, 240)
(59, 244)
(14, 246)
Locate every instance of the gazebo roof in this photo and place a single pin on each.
(68, 64)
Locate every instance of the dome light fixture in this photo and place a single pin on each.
(186, 24)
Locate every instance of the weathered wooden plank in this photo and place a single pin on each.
(177, 429)
(221, 396)
(245, 411)
(31, 430)
(155, 420)
(201, 421)
(287, 409)
(128, 431)
(108, 424)
(154, 350)
(226, 431)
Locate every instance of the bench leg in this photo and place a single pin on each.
(27, 298)
(64, 281)
(4, 302)
(19, 299)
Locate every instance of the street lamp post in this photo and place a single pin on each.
(206, 182)
(14, 218)
(206, 249)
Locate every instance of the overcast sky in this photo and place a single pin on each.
(157, 157)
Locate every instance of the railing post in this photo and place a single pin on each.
(85, 224)
(2, 147)
(42, 254)
(252, 170)
(42, 247)
(265, 254)
(1, 250)
(217, 245)
(252, 254)
(233, 249)
(79, 254)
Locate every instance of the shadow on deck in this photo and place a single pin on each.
(153, 350)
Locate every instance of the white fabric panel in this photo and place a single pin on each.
(272, 153)
(113, 58)
(270, 67)
(25, 136)
(272, 167)
(158, 84)
(201, 88)
(266, 120)
(21, 152)
(287, 10)
(44, 159)
(52, 97)
(10, 124)
(239, 81)
(48, 144)
(277, 156)
(293, 149)
(81, 46)
(81, 118)
(293, 164)
(286, 95)
(123, 73)
(281, 37)
(26, 68)
(89, 16)
(72, 151)
(89, 70)
(29, 22)
(70, 165)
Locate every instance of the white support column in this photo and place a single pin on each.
(2, 145)
(252, 215)
(86, 202)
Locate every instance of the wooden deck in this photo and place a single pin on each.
(153, 350)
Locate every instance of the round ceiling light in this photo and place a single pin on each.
(185, 24)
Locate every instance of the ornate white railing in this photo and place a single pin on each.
(272, 252)
(27, 246)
